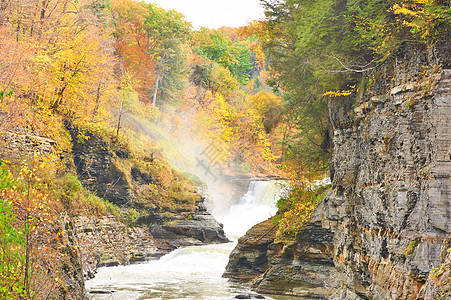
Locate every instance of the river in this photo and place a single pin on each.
(191, 272)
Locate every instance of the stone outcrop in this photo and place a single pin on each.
(385, 229)
(390, 205)
(18, 144)
(198, 229)
(250, 258)
(303, 268)
(192, 229)
(106, 242)
(94, 162)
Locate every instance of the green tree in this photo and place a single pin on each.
(12, 243)
(168, 32)
(217, 47)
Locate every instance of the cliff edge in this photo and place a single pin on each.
(388, 215)
(391, 201)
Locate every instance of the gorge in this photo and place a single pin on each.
(384, 230)
(306, 155)
(196, 271)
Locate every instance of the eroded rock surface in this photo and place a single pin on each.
(303, 268)
(391, 201)
(197, 228)
(250, 257)
(385, 231)
(105, 242)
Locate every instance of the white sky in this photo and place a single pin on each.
(215, 13)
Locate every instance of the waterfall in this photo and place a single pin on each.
(191, 272)
(257, 205)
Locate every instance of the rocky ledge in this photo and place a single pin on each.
(193, 229)
(249, 259)
(384, 231)
(105, 241)
(303, 268)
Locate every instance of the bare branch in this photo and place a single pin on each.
(362, 69)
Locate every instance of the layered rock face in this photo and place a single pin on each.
(20, 143)
(390, 208)
(159, 228)
(106, 242)
(94, 162)
(197, 228)
(384, 231)
(303, 268)
(250, 257)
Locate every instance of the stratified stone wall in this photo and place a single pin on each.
(385, 229)
(17, 145)
(390, 209)
(104, 241)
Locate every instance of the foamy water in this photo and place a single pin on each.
(191, 272)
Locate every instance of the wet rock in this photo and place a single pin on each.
(201, 227)
(304, 268)
(243, 297)
(196, 229)
(102, 292)
(249, 259)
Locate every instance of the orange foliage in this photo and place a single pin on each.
(231, 32)
(133, 44)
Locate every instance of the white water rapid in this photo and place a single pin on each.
(191, 272)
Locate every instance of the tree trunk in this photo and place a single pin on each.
(119, 119)
(96, 108)
(157, 81)
(155, 92)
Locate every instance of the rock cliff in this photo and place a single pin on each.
(385, 229)
(391, 201)
(304, 268)
(169, 215)
(250, 257)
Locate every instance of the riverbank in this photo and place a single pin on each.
(194, 271)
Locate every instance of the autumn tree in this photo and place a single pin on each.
(133, 43)
(168, 32)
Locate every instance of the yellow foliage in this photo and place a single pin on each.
(264, 100)
(397, 9)
(235, 128)
(418, 15)
(335, 94)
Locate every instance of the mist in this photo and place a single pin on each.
(175, 137)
